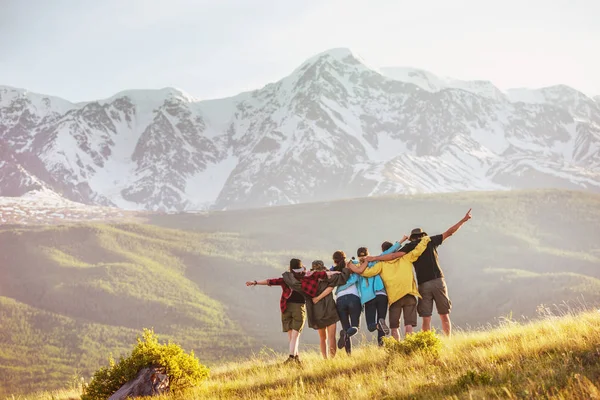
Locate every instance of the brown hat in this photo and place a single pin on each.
(417, 232)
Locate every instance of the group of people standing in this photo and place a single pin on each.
(405, 279)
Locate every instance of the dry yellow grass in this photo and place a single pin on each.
(555, 358)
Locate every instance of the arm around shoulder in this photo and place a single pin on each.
(413, 255)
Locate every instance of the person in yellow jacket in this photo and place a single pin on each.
(396, 271)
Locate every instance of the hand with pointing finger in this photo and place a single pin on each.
(467, 216)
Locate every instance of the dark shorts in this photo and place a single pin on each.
(434, 291)
(294, 317)
(406, 305)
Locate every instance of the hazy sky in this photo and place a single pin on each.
(89, 49)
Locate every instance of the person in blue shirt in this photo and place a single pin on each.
(372, 292)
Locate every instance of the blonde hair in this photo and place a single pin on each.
(318, 265)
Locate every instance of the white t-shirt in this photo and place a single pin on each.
(352, 289)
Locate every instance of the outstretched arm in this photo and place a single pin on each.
(452, 230)
(266, 282)
(325, 293)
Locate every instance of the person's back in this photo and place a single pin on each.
(396, 271)
(427, 266)
(430, 277)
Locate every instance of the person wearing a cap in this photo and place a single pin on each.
(292, 303)
(432, 285)
(316, 288)
(396, 271)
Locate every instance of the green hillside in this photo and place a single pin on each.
(72, 294)
(521, 249)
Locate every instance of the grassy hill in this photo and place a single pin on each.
(71, 294)
(554, 358)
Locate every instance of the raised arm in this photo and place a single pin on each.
(324, 294)
(452, 230)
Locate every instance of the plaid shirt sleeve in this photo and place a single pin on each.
(286, 292)
(320, 275)
(310, 284)
(275, 282)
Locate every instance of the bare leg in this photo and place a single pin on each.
(396, 333)
(294, 341)
(426, 324)
(331, 331)
(408, 329)
(323, 341)
(446, 324)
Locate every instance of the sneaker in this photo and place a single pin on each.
(352, 331)
(342, 339)
(383, 326)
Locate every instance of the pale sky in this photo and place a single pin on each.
(90, 49)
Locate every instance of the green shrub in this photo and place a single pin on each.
(184, 370)
(427, 343)
(472, 378)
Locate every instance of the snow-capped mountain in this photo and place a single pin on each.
(334, 128)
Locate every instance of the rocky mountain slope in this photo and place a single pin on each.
(334, 128)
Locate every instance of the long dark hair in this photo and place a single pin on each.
(339, 257)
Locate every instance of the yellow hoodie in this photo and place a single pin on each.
(397, 275)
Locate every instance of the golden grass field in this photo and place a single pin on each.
(553, 358)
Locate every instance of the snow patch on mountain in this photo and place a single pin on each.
(433, 83)
(334, 128)
(202, 189)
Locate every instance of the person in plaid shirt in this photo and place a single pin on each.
(291, 303)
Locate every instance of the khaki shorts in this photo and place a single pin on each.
(434, 290)
(294, 317)
(408, 305)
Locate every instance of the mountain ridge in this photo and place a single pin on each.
(334, 128)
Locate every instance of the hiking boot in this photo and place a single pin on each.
(352, 331)
(383, 327)
(342, 339)
(291, 360)
(297, 361)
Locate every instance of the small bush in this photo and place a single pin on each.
(427, 343)
(184, 370)
(472, 378)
